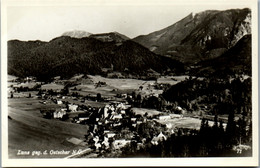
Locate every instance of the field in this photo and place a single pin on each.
(142, 111)
(172, 80)
(29, 131)
(185, 122)
(176, 121)
(115, 86)
(52, 86)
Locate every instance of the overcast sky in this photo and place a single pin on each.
(47, 22)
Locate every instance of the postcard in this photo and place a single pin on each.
(129, 83)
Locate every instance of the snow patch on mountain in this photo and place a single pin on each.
(76, 34)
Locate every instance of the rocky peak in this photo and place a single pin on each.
(241, 29)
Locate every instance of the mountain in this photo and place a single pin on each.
(105, 37)
(236, 60)
(201, 43)
(16, 50)
(65, 56)
(112, 36)
(17, 46)
(76, 34)
(200, 36)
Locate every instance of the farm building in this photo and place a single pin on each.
(59, 114)
(118, 144)
(73, 107)
(52, 113)
(158, 138)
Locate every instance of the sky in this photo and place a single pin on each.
(47, 22)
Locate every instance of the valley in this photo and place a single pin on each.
(30, 129)
(182, 91)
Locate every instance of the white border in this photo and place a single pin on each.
(246, 161)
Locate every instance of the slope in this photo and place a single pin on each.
(202, 36)
(65, 56)
(237, 60)
(109, 37)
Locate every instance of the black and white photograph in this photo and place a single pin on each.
(87, 83)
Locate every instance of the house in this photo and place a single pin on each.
(169, 125)
(73, 107)
(97, 144)
(30, 78)
(117, 116)
(133, 119)
(116, 124)
(59, 114)
(95, 129)
(139, 146)
(157, 139)
(118, 144)
(59, 102)
(107, 121)
(106, 108)
(43, 102)
(124, 95)
(180, 110)
(83, 118)
(120, 106)
(105, 143)
(63, 109)
(110, 134)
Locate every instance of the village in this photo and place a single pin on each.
(114, 122)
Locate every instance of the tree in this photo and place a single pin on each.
(215, 126)
(138, 100)
(221, 127)
(99, 97)
(146, 115)
(153, 102)
(40, 92)
(249, 133)
(242, 128)
(202, 125)
(133, 95)
(231, 130)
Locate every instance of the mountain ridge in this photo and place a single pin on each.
(209, 35)
(66, 56)
(194, 36)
